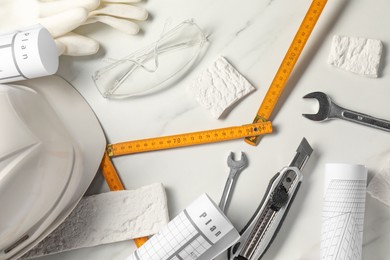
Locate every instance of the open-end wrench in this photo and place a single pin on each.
(235, 168)
(329, 110)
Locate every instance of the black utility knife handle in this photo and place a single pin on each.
(275, 183)
(232, 249)
(283, 218)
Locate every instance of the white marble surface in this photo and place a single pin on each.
(253, 35)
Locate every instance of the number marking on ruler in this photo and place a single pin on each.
(168, 142)
(287, 65)
(189, 139)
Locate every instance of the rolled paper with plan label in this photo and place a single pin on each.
(28, 53)
(201, 231)
(343, 211)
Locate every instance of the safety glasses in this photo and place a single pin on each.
(154, 67)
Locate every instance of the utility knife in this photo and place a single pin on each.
(258, 234)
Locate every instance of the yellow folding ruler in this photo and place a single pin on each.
(174, 141)
(287, 65)
(115, 184)
(189, 139)
(168, 142)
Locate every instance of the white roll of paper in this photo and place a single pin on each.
(26, 54)
(343, 211)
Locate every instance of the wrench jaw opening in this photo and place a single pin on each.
(324, 111)
(240, 164)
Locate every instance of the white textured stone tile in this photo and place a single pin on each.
(219, 87)
(356, 54)
(106, 218)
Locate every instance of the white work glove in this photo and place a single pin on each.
(61, 17)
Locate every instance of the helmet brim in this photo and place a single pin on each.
(89, 144)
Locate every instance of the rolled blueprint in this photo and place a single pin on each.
(201, 231)
(26, 54)
(343, 211)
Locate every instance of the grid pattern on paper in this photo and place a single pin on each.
(343, 217)
(179, 240)
(341, 238)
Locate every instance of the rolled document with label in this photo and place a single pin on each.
(343, 211)
(201, 231)
(27, 54)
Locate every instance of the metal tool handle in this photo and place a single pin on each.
(261, 230)
(236, 252)
(225, 195)
(366, 120)
(277, 226)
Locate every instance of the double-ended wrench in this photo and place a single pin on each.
(329, 110)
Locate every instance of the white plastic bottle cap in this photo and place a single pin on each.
(27, 54)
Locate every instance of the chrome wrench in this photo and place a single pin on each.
(328, 110)
(235, 168)
(258, 234)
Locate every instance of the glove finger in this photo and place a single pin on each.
(123, 25)
(61, 47)
(77, 45)
(64, 22)
(123, 11)
(47, 8)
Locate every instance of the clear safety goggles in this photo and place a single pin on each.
(153, 67)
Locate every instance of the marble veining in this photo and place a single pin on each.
(253, 35)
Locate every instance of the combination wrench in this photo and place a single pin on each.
(235, 168)
(329, 110)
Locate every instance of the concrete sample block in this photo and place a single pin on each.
(106, 218)
(219, 87)
(355, 54)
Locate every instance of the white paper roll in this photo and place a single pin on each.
(27, 54)
(343, 211)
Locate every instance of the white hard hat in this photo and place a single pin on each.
(51, 148)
